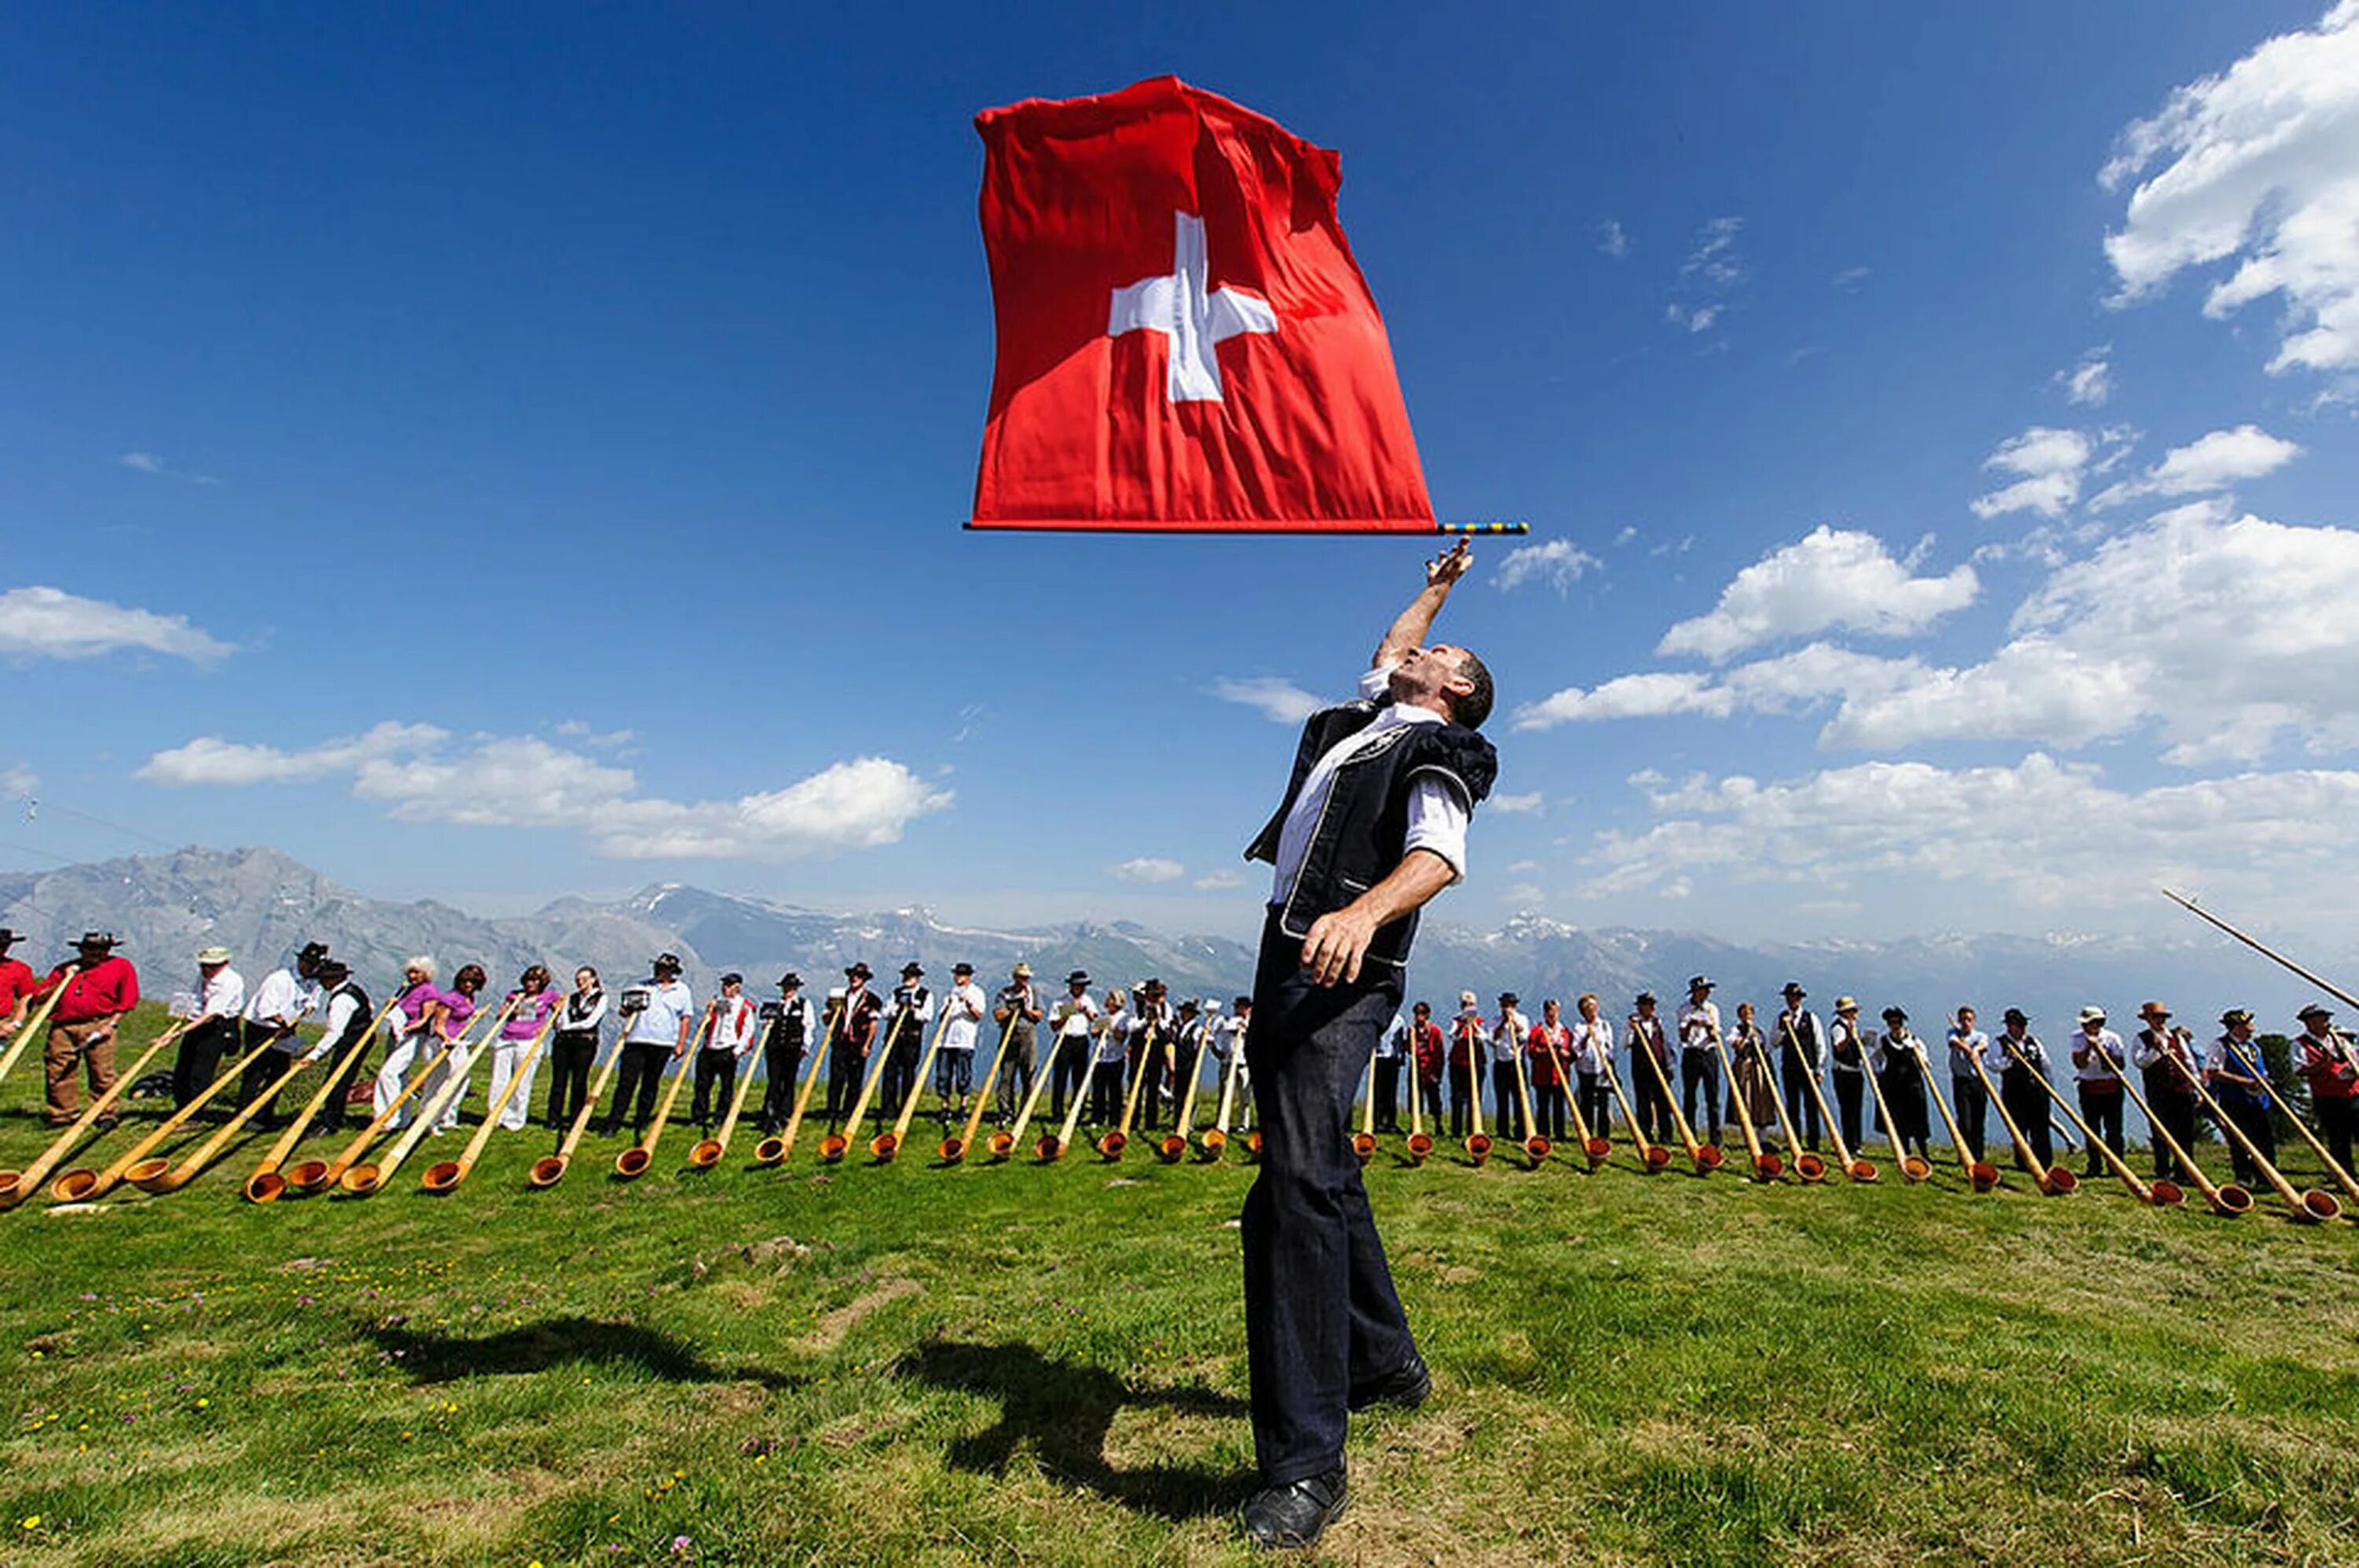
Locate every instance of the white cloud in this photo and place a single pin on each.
(2260, 163)
(1214, 881)
(1611, 238)
(1692, 318)
(1535, 801)
(50, 623)
(1851, 277)
(2213, 461)
(1715, 260)
(2047, 464)
(1147, 868)
(1559, 563)
(1829, 578)
(524, 781)
(1655, 695)
(148, 463)
(1279, 699)
(2088, 383)
(19, 782)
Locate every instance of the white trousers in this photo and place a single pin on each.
(402, 1052)
(506, 1055)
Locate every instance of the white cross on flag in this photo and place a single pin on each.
(1185, 341)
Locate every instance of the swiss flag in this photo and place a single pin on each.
(1185, 342)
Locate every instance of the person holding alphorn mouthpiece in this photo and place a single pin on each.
(214, 1028)
(1969, 1045)
(1647, 1036)
(2165, 1058)
(1590, 1060)
(346, 1013)
(2244, 1097)
(794, 1029)
(1698, 1022)
(1018, 1012)
(1074, 1025)
(1549, 1042)
(101, 987)
(1756, 1082)
(1191, 1032)
(1149, 1039)
(2322, 1053)
(456, 1011)
(410, 1032)
(1466, 1031)
(1431, 1052)
(1107, 1059)
(963, 1012)
(1847, 1049)
(859, 1012)
(573, 1049)
(1801, 1057)
(2098, 1057)
(530, 1006)
(1373, 825)
(655, 1032)
(726, 1045)
(912, 1013)
(1506, 1041)
(1384, 1087)
(287, 996)
(1898, 1059)
(17, 986)
(2023, 1087)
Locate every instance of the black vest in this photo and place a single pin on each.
(1364, 830)
(362, 1017)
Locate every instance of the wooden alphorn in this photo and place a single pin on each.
(266, 1185)
(633, 1162)
(444, 1176)
(15, 1184)
(2055, 1180)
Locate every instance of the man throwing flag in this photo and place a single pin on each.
(1372, 826)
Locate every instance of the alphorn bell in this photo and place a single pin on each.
(1053, 1145)
(774, 1150)
(265, 1185)
(2325, 1208)
(953, 1149)
(1363, 1142)
(152, 1176)
(33, 1021)
(1183, 1127)
(834, 1145)
(2053, 1181)
(362, 1181)
(1810, 1170)
(349, 1159)
(1007, 1141)
(1807, 1163)
(1596, 1148)
(1911, 1167)
(1704, 1157)
(1766, 1167)
(444, 1175)
(633, 1162)
(1535, 1147)
(1217, 1139)
(884, 1145)
(1652, 1156)
(1859, 1167)
(549, 1169)
(80, 1186)
(1478, 1142)
(1111, 1145)
(1420, 1142)
(1981, 1174)
(2139, 1190)
(15, 1185)
(708, 1150)
(2230, 1201)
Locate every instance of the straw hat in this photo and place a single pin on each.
(2092, 1014)
(1846, 1004)
(211, 955)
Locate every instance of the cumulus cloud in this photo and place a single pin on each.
(19, 781)
(1276, 699)
(418, 774)
(1829, 578)
(1214, 881)
(2088, 383)
(1612, 239)
(50, 623)
(1559, 563)
(1147, 868)
(148, 463)
(2048, 465)
(1535, 801)
(2210, 463)
(2259, 164)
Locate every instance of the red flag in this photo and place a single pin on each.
(1185, 342)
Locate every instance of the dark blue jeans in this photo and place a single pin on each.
(1320, 1313)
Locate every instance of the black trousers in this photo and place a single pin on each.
(2334, 1125)
(845, 1065)
(1463, 1091)
(714, 1067)
(2101, 1110)
(260, 1073)
(1905, 1094)
(2174, 1113)
(1802, 1105)
(1506, 1110)
(1150, 1089)
(2027, 1104)
(1701, 1070)
(336, 1113)
(900, 1077)
(782, 1066)
(1069, 1072)
(2252, 1119)
(1547, 1109)
(638, 1074)
(199, 1062)
(1971, 1102)
(1431, 1088)
(1387, 1094)
(1322, 1316)
(1654, 1104)
(571, 1055)
(1851, 1088)
(1596, 1105)
(1105, 1093)
(1016, 1073)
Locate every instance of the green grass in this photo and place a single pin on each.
(1044, 1364)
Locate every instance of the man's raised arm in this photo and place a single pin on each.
(1408, 628)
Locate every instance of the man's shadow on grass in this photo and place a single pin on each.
(1062, 1410)
(559, 1342)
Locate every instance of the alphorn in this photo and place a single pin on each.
(1053, 1145)
(1111, 1145)
(1184, 1126)
(1981, 1174)
(1536, 1146)
(1703, 1155)
(1420, 1142)
(1652, 1157)
(78, 1186)
(1911, 1167)
(1217, 1139)
(156, 1176)
(633, 1162)
(953, 1149)
(1807, 1163)
(1859, 1167)
(1766, 1167)
(1007, 1141)
(834, 1145)
(884, 1145)
(1363, 1142)
(1595, 1148)
(2192, 908)
(2139, 1190)
(2055, 1180)
(2230, 1200)
(15, 1185)
(707, 1152)
(549, 1169)
(774, 1150)
(1809, 1166)
(349, 1159)
(33, 1025)
(2309, 1206)
(444, 1175)
(1478, 1142)
(2253, 1065)
(265, 1185)
(361, 1180)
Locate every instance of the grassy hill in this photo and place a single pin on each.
(908, 1364)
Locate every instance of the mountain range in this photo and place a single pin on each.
(261, 904)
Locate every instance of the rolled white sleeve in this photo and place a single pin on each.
(1437, 824)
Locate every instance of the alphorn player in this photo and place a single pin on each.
(1432, 1056)
(722, 1055)
(1372, 826)
(1698, 1022)
(1017, 1012)
(962, 1027)
(1899, 1061)
(1507, 1040)
(285, 998)
(1073, 1028)
(345, 1009)
(573, 1049)
(17, 983)
(2322, 1053)
(2244, 1097)
(1590, 1060)
(1969, 1045)
(529, 1007)
(2023, 1088)
(1653, 1097)
(653, 1036)
(854, 1033)
(2165, 1057)
(1802, 1056)
(1549, 1042)
(1751, 1078)
(101, 987)
(794, 1029)
(912, 1015)
(1465, 1047)
(1848, 1050)
(214, 1028)
(2098, 1059)
(1148, 1041)
(1384, 1089)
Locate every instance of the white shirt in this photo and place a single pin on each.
(1593, 1045)
(281, 996)
(799, 1006)
(2175, 1048)
(2097, 1070)
(1797, 1030)
(732, 1024)
(1507, 1036)
(2029, 1048)
(963, 1014)
(669, 1007)
(1393, 1044)
(1438, 814)
(342, 1006)
(1074, 1015)
(1699, 1025)
(1845, 1032)
(222, 996)
(1966, 1045)
(1114, 1043)
(1228, 1034)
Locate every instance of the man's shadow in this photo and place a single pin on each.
(559, 1342)
(1062, 1410)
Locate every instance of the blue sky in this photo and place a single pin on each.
(491, 456)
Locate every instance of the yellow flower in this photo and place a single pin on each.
(30, 1521)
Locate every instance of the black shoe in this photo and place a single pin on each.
(1406, 1387)
(1288, 1517)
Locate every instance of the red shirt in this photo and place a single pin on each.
(2327, 1064)
(1544, 1059)
(106, 989)
(1427, 1038)
(16, 982)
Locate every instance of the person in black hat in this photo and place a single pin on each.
(345, 1014)
(2022, 1090)
(855, 1035)
(1072, 1021)
(794, 1027)
(2241, 1094)
(101, 987)
(1646, 1084)
(726, 1045)
(912, 1012)
(17, 983)
(1898, 1061)
(1801, 1057)
(1017, 1011)
(1506, 1041)
(2322, 1053)
(2165, 1058)
(1152, 1027)
(962, 1011)
(285, 996)
(1699, 1026)
(654, 1035)
(1372, 827)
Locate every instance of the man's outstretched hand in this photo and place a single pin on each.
(1450, 565)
